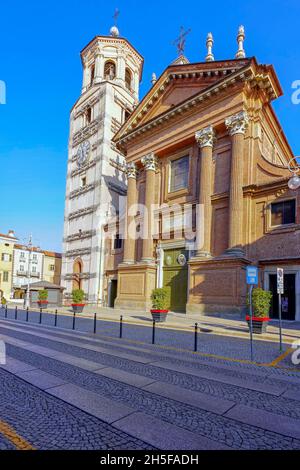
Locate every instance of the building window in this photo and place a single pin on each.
(88, 116)
(51, 267)
(83, 181)
(283, 213)
(109, 70)
(34, 256)
(179, 174)
(126, 114)
(92, 74)
(6, 257)
(22, 268)
(5, 276)
(118, 242)
(128, 79)
(34, 269)
(22, 254)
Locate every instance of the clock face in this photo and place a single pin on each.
(83, 153)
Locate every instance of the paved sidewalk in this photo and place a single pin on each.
(225, 325)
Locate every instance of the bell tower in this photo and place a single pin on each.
(112, 70)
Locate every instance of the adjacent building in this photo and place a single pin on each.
(20, 265)
(7, 243)
(52, 267)
(27, 268)
(206, 135)
(112, 70)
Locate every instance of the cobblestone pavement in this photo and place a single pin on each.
(190, 418)
(264, 352)
(193, 418)
(49, 423)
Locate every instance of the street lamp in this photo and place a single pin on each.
(294, 181)
(29, 248)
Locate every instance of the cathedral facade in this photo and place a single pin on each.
(206, 135)
(112, 70)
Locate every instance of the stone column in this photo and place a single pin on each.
(236, 126)
(86, 78)
(150, 164)
(205, 139)
(129, 242)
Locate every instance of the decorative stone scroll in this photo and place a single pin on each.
(150, 162)
(238, 123)
(206, 137)
(131, 170)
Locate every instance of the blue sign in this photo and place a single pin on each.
(252, 275)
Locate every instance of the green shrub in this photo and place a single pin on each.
(160, 298)
(3, 301)
(78, 296)
(261, 302)
(43, 294)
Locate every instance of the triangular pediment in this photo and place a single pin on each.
(178, 83)
(177, 92)
(183, 86)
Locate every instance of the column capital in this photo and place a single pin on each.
(131, 170)
(238, 123)
(150, 162)
(206, 137)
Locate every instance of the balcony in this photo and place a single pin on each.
(25, 273)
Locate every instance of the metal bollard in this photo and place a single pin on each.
(196, 338)
(27, 314)
(74, 319)
(41, 316)
(55, 318)
(16, 313)
(95, 322)
(153, 332)
(5, 311)
(121, 326)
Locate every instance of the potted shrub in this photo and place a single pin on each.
(261, 303)
(78, 297)
(43, 298)
(3, 302)
(160, 303)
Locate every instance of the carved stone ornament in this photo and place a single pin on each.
(131, 170)
(150, 162)
(206, 137)
(238, 123)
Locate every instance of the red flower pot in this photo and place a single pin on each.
(78, 308)
(43, 303)
(159, 316)
(259, 324)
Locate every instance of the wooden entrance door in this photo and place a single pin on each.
(175, 277)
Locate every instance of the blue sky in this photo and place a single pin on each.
(39, 61)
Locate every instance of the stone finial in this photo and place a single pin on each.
(206, 137)
(153, 79)
(238, 123)
(131, 170)
(240, 39)
(209, 45)
(150, 162)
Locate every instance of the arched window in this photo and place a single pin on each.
(109, 70)
(77, 270)
(128, 79)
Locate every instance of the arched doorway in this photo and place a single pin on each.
(77, 271)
